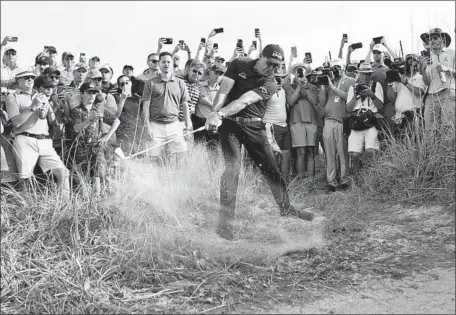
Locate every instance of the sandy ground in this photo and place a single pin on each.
(429, 293)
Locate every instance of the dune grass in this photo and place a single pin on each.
(149, 245)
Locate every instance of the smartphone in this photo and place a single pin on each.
(257, 31)
(300, 73)
(215, 46)
(13, 39)
(254, 43)
(240, 43)
(203, 40)
(357, 45)
(46, 47)
(82, 54)
(344, 36)
(294, 51)
(181, 42)
(218, 30)
(167, 41)
(308, 55)
(426, 53)
(377, 40)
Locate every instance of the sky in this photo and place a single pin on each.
(122, 32)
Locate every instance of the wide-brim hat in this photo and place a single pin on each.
(25, 73)
(425, 37)
(365, 68)
(300, 65)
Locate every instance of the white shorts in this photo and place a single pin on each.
(359, 139)
(166, 132)
(28, 151)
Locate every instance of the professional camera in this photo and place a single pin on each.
(399, 65)
(359, 88)
(318, 79)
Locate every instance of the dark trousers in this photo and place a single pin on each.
(253, 137)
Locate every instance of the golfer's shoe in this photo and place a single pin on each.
(301, 214)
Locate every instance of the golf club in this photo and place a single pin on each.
(121, 154)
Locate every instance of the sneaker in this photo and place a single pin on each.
(301, 214)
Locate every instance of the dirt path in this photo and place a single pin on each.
(429, 293)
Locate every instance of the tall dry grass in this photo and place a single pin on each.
(417, 169)
(151, 237)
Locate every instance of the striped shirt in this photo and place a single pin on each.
(194, 90)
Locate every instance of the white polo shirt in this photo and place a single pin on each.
(447, 61)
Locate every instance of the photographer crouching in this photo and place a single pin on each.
(365, 99)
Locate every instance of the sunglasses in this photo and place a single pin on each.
(10, 53)
(97, 79)
(433, 37)
(352, 69)
(153, 61)
(53, 77)
(124, 83)
(376, 52)
(29, 78)
(272, 64)
(69, 58)
(92, 92)
(197, 72)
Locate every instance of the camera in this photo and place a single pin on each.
(318, 79)
(398, 65)
(328, 72)
(359, 88)
(300, 73)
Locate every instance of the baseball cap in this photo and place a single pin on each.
(337, 62)
(80, 65)
(44, 81)
(95, 58)
(25, 73)
(9, 47)
(95, 74)
(42, 59)
(107, 67)
(220, 58)
(66, 54)
(88, 86)
(274, 53)
(52, 50)
(379, 47)
(365, 68)
(128, 67)
(218, 68)
(51, 70)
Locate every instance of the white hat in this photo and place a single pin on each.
(379, 47)
(25, 72)
(337, 62)
(306, 66)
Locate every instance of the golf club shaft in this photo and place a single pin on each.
(161, 144)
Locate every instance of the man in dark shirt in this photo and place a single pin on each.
(241, 102)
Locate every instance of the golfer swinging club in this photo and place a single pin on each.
(238, 108)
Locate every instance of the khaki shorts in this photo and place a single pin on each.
(359, 139)
(303, 135)
(28, 151)
(162, 133)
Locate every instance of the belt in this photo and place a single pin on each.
(31, 135)
(244, 120)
